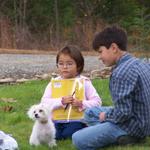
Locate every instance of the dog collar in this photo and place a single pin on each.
(44, 122)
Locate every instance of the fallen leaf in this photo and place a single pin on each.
(7, 108)
(10, 100)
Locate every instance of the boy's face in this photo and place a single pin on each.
(108, 56)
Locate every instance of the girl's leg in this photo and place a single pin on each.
(65, 130)
(70, 128)
(59, 128)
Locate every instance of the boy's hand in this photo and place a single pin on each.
(102, 116)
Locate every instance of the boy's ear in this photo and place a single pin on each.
(114, 47)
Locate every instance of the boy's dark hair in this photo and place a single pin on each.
(109, 35)
(75, 54)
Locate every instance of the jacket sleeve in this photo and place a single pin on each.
(91, 96)
(47, 99)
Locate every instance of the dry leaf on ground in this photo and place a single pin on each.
(10, 100)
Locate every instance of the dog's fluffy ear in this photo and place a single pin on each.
(30, 111)
(48, 106)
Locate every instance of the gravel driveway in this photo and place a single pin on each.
(28, 66)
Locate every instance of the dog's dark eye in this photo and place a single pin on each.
(40, 110)
(34, 112)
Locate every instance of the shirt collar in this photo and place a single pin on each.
(124, 58)
(78, 76)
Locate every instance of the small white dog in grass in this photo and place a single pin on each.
(43, 131)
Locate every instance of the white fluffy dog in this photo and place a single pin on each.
(43, 131)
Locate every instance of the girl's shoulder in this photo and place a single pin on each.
(85, 78)
(80, 76)
(56, 78)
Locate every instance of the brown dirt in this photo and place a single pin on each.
(53, 52)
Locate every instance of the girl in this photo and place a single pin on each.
(70, 64)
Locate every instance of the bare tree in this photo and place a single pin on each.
(57, 22)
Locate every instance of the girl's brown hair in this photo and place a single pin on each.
(75, 54)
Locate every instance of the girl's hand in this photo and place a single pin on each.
(76, 103)
(67, 100)
(102, 116)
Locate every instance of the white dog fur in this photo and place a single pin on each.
(43, 131)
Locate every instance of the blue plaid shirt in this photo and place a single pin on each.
(130, 90)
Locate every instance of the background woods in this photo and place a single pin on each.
(49, 24)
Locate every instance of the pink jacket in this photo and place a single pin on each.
(91, 96)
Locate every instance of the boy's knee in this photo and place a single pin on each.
(92, 111)
(86, 112)
(76, 139)
(87, 116)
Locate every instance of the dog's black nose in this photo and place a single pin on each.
(36, 116)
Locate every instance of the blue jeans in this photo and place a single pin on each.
(99, 134)
(65, 130)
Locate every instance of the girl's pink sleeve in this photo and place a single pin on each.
(46, 98)
(91, 96)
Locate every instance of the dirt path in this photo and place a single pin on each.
(30, 65)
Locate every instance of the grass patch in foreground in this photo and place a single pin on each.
(17, 123)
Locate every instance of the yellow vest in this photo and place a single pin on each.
(66, 87)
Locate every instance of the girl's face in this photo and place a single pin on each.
(67, 67)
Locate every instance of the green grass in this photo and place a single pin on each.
(17, 123)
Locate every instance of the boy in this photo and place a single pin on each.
(129, 120)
